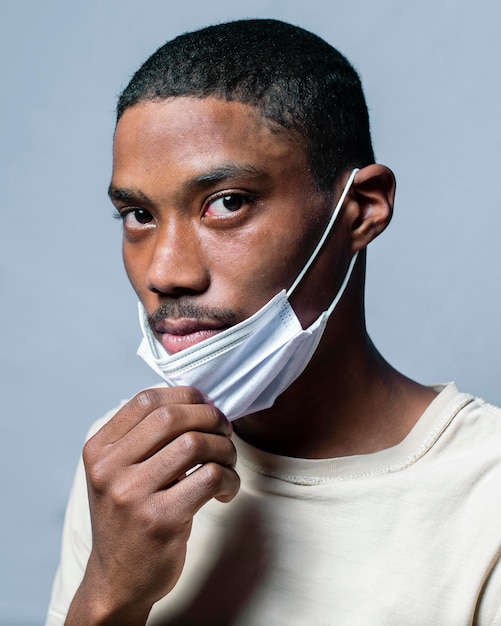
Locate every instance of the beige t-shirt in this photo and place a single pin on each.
(407, 536)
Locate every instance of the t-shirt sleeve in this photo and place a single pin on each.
(76, 542)
(75, 550)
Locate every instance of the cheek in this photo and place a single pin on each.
(242, 275)
(255, 264)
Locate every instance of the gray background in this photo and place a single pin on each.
(431, 71)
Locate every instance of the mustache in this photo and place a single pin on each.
(180, 309)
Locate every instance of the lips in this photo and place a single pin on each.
(177, 335)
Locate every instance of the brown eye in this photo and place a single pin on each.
(137, 217)
(227, 204)
(232, 203)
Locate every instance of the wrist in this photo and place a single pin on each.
(85, 611)
(94, 604)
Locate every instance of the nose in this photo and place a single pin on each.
(177, 267)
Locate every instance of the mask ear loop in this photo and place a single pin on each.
(320, 244)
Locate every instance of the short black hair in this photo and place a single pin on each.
(294, 78)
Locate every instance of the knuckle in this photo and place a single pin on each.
(213, 476)
(158, 525)
(93, 449)
(96, 466)
(163, 417)
(191, 443)
(147, 399)
(121, 494)
(153, 520)
(230, 489)
(98, 475)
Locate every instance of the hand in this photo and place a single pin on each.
(142, 500)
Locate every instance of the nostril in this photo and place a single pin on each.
(174, 291)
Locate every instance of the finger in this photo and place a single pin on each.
(163, 426)
(186, 497)
(169, 422)
(144, 403)
(187, 451)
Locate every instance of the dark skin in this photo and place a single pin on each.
(220, 210)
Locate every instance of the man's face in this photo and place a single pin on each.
(220, 213)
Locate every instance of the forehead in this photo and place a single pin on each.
(199, 134)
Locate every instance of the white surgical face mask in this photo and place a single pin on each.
(244, 368)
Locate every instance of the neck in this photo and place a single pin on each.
(348, 401)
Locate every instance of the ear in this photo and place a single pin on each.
(371, 207)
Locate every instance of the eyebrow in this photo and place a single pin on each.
(124, 194)
(224, 172)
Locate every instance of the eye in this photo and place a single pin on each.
(136, 218)
(224, 205)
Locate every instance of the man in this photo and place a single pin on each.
(245, 179)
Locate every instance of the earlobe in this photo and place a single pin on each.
(371, 206)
